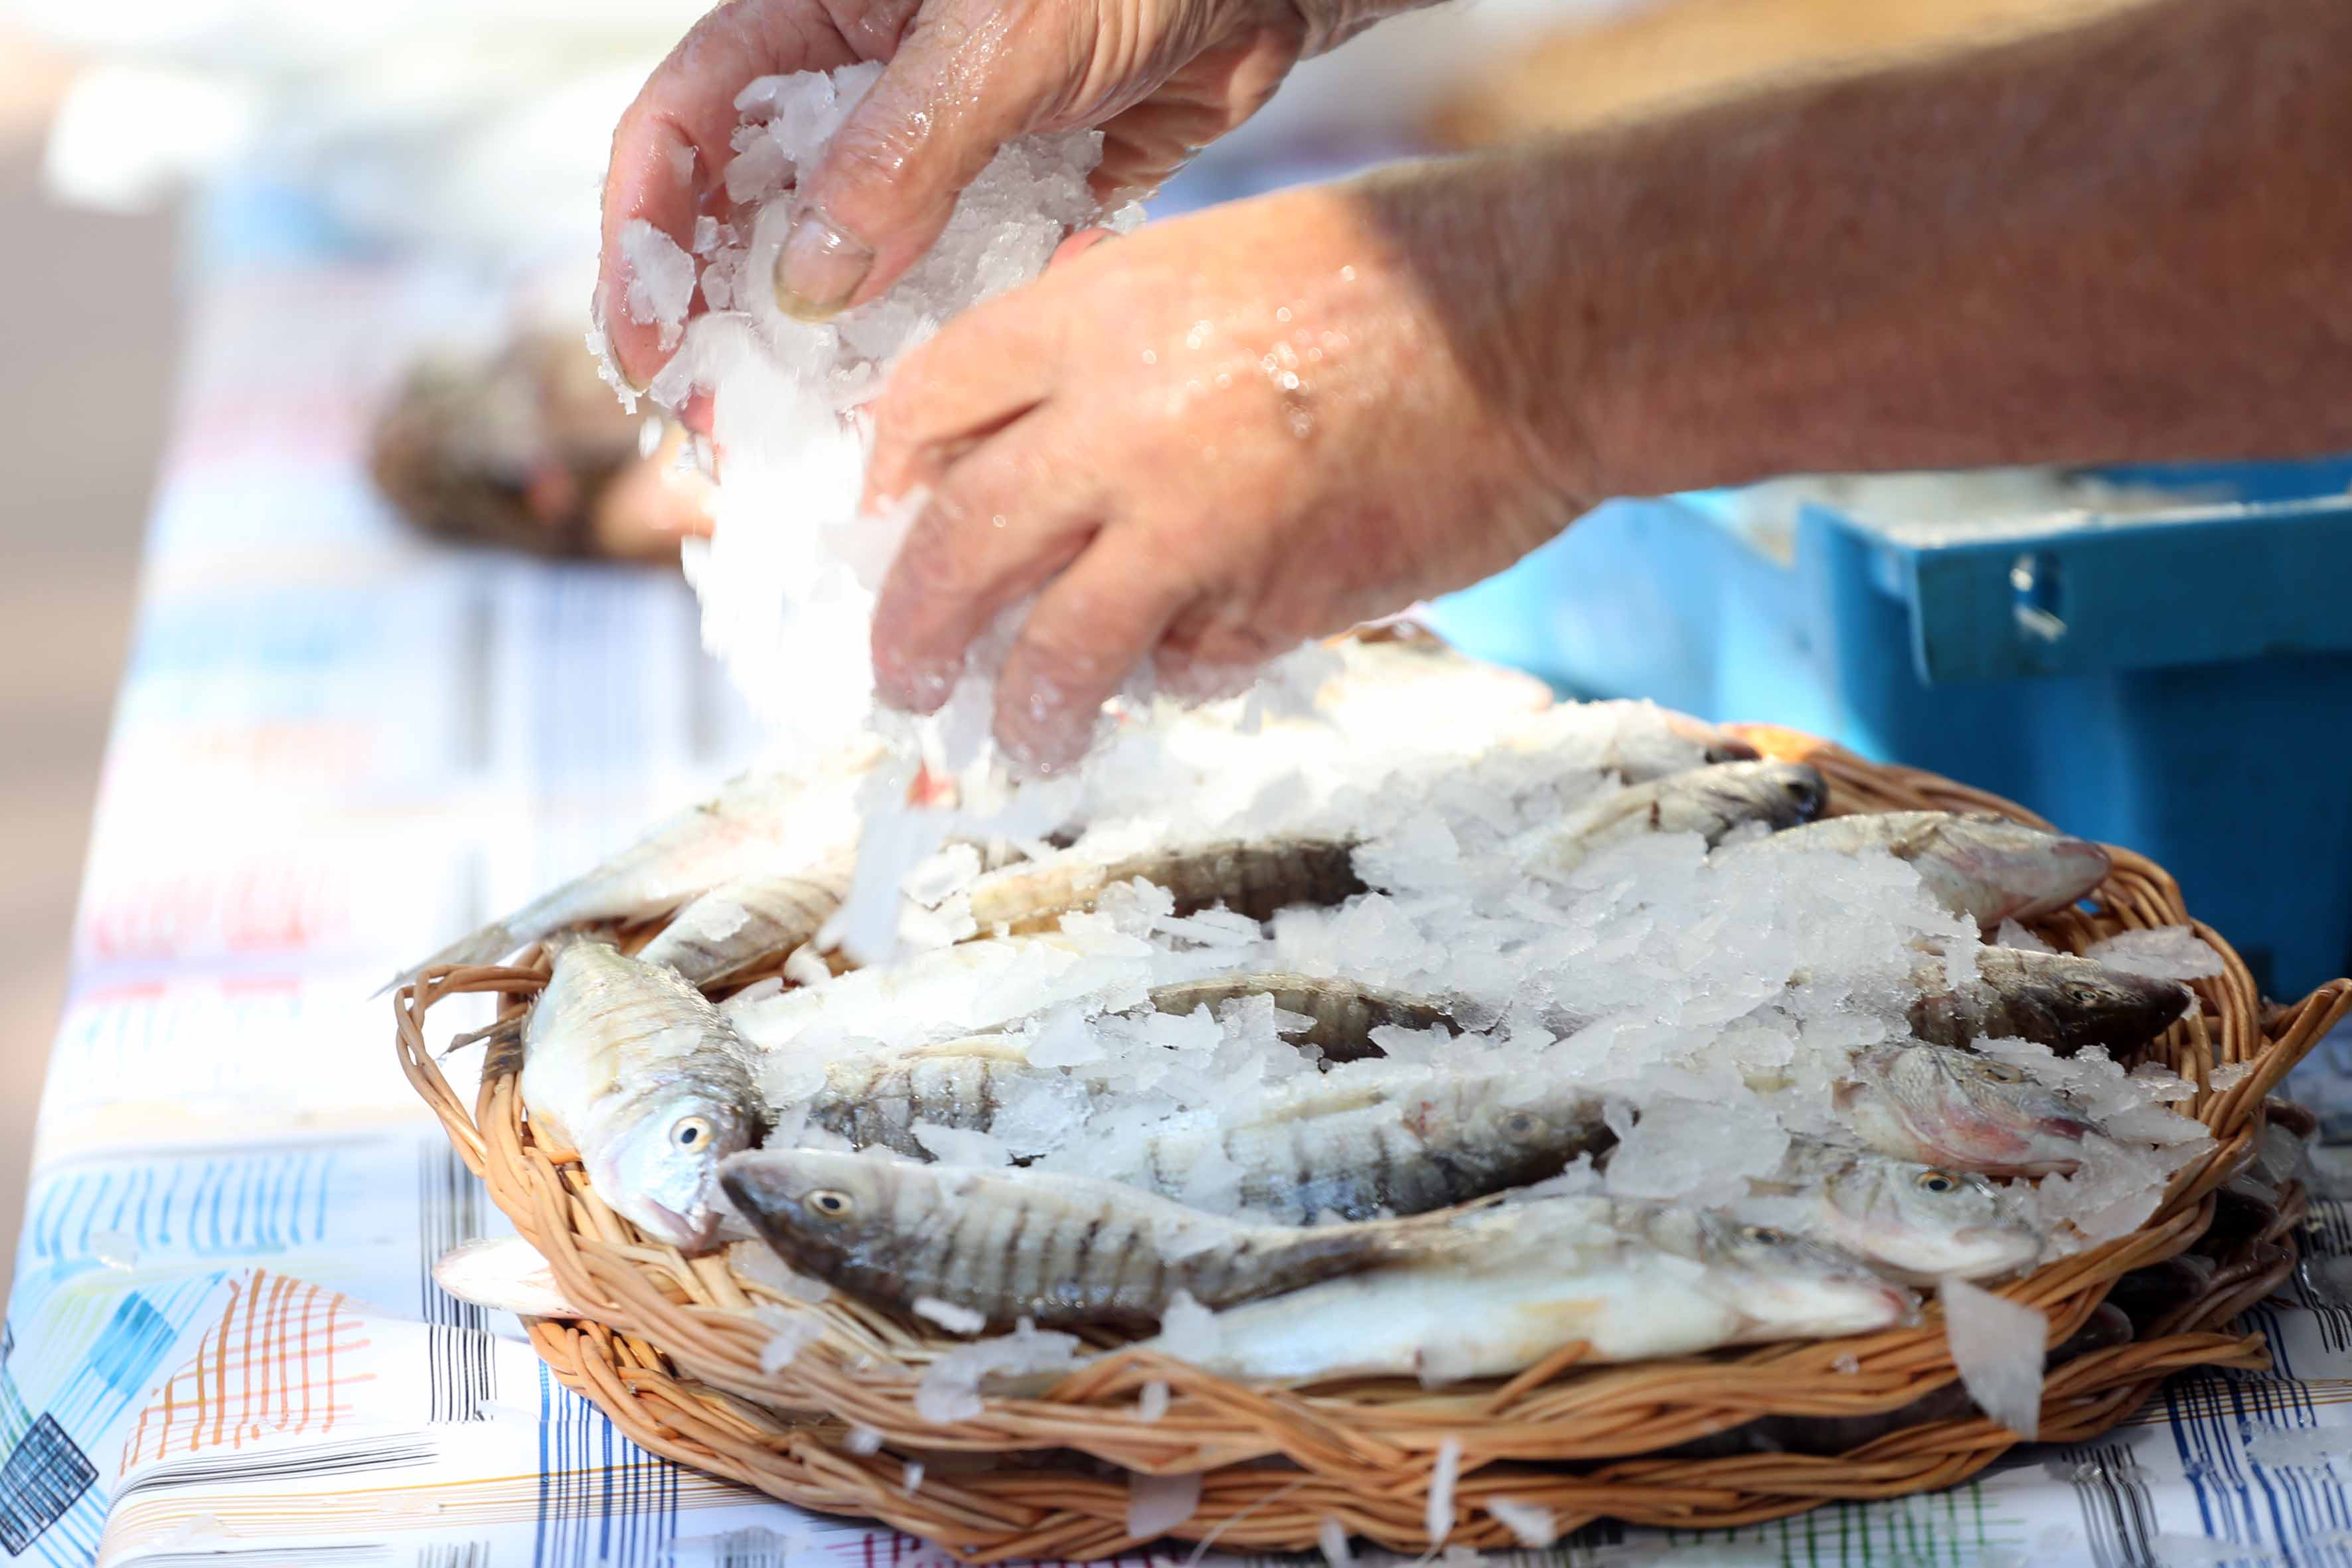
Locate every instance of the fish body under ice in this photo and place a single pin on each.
(1404, 1142)
(947, 992)
(1023, 1244)
(2054, 999)
(739, 924)
(1708, 801)
(1341, 1014)
(634, 1069)
(1250, 877)
(1956, 1109)
(1985, 867)
(1503, 1287)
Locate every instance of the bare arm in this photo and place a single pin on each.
(1200, 444)
(2128, 242)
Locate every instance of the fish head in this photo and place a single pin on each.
(1923, 1222)
(817, 1208)
(1977, 1112)
(1782, 794)
(2012, 871)
(660, 1169)
(2089, 1004)
(1775, 1277)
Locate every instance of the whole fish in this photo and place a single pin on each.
(1024, 1244)
(1403, 1143)
(1918, 1223)
(1950, 1107)
(1708, 801)
(633, 1069)
(1501, 1288)
(1249, 877)
(739, 924)
(1342, 1014)
(1985, 867)
(756, 815)
(2054, 999)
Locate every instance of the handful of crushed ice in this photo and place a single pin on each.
(787, 577)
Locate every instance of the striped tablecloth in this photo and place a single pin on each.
(335, 743)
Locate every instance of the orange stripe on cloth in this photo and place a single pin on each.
(267, 1366)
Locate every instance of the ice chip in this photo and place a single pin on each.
(1532, 1523)
(661, 279)
(2164, 953)
(1158, 1504)
(1997, 1346)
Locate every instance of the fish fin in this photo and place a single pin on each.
(506, 1031)
(488, 945)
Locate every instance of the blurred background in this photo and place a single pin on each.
(479, 127)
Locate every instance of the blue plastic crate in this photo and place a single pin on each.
(2180, 682)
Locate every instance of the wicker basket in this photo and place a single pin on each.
(673, 1350)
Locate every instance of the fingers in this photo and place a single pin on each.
(1092, 626)
(671, 145)
(990, 365)
(1003, 521)
(1203, 100)
(967, 78)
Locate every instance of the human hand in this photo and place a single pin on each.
(1204, 443)
(1161, 78)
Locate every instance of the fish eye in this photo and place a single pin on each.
(1934, 1181)
(1521, 1124)
(2083, 996)
(1764, 1235)
(2000, 1072)
(690, 1132)
(832, 1202)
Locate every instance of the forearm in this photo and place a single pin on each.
(2129, 242)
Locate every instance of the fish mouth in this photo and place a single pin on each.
(687, 1235)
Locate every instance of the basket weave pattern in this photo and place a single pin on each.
(672, 1350)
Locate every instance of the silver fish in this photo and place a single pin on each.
(1708, 801)
(1506, 1286)
(1988, 867)
(1249, 877)
(754, 816)
(634, 1069)
(738, 924)
(1918, 1223)
(1950, 1107)
(1406, 1143)
(1024, 1244)
(2054, 999)
(1342, 1014)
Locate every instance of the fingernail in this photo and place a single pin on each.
(820, 267)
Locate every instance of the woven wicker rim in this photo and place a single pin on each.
(673, 1350)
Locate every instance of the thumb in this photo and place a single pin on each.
(963, 83)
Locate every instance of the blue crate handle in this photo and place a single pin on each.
(2201, 585)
